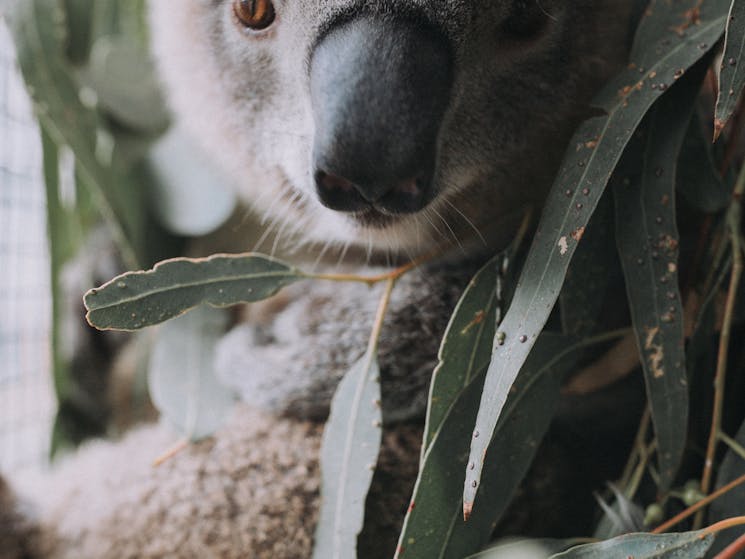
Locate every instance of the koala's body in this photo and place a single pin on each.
(393, 129)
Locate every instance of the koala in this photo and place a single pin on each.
(384, 130)
(369, 132)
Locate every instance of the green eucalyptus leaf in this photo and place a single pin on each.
(349, 453)
(648, 240)
(590, 160)
(136, 300)
(123, 78)
(190, 196)
(182, 380)
(466, 346)
(698, 179)
(732, 73)
(730, 504)
(434, 525)
(688, 545)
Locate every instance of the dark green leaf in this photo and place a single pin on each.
(434, 526)
(590, 160)
(466, 346)
(732, 75)
(594, 265)
(698, 179)
(349, 452)
(182, 379)
(647, 238)
(139, 299)
(730, 504)
(688, 545)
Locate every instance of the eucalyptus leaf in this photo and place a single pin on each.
(190, 196)
(688, 545)
(698, 179)
(182, 380)
(732, 72)
(434, 525)
(590, 160)
(349, 453)
(730, 504)
(136, 300)
(648, 241)
(466, 346)
(123, 78)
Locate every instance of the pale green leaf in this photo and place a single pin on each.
(181, 378)
(349, 453)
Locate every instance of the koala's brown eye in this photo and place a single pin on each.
(254, 14)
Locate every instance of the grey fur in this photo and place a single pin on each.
(291, 364)
(246, 96)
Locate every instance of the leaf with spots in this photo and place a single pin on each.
(466, 346)
(591, 158)
(691, 545)
(139, 299)
(647, 239)
(434, 525)
(732, 74)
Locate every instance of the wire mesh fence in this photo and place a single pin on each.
(26, 396)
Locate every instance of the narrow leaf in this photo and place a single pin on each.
(466, 346)
(691, 545)
(732, 73)
(434, 526)
(182, 379)
(139, 299)
(349, 452)
(40, 37)
(647, 238)
(698, 179)
(592, 156)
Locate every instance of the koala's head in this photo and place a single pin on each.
(390, 123)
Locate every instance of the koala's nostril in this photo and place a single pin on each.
(341, 194)
(333, 182)
(338, 193)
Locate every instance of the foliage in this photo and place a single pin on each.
(494, 392)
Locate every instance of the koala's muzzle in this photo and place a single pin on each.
(379, 90)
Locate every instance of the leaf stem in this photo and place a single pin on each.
(664, 527)
(734, 446)
(723, 525)
(734, 221)
(638, 453)
(732, 550)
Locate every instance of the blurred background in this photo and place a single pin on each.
(95, 181)
(27, 402)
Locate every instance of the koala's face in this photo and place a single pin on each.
(396, 124)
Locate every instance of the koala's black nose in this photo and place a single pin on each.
(379, 90)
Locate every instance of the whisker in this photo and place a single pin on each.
(468, 221)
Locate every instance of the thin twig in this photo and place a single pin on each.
(664, 527)
(734, 222)
(732, 550)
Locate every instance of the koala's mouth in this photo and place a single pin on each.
(374, 219)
